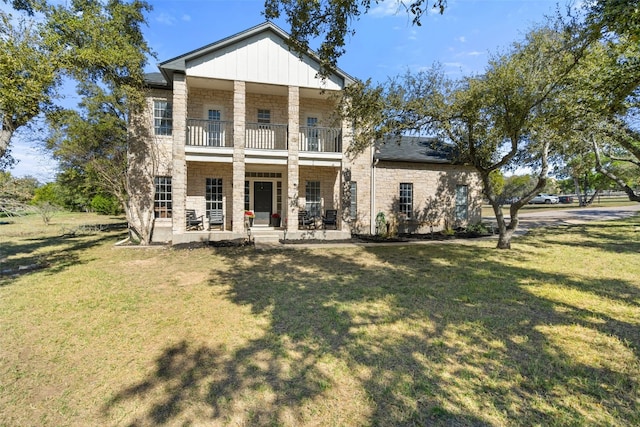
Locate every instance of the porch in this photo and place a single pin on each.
(262, 234)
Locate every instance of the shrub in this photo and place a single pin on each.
(105, 205)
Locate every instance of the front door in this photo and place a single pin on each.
(262, 202)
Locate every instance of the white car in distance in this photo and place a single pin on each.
(548, 199)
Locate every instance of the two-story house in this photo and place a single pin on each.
(249, 141)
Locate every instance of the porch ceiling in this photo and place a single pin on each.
(261, 88)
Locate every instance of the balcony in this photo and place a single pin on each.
(266, 136)
(209, 133)
(319, 139)
(262, 136)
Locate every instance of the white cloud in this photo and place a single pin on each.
(166, 19)
(32, 161)
(475, 53)
(386, 8)
(462, 39)
(186, 18)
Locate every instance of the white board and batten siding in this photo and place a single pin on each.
(262, 58)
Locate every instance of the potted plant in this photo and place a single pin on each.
(249, 216)
(275, 219)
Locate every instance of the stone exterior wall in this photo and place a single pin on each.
(323, 109)
(161, 144)
(277, 105)
(358, 170)
(329, 179)
(434, 187)
(201, 100)
(197, 174)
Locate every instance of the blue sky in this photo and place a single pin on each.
(385, 43)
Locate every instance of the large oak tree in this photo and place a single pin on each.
(507, 117)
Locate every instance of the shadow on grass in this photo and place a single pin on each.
(430, 335)
(606, 236)
(52, 254)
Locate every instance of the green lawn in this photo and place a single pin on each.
(435, 334)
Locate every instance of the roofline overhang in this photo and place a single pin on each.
(179, 64)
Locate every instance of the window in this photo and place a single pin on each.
(405, 201)
(264, 116)
(353, 200)
(214, 133)
(213, 195)
(162, 118)
(312, 134)
(462, 203)
(312, 196)
(247, 186)
(162, 198)
(279, 196)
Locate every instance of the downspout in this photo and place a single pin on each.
(374, 161)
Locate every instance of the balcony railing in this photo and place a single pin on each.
(209, 133)
(266, 136)
(323, 140)
(262, 136)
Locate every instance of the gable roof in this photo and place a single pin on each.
(413, 149)
(179, 63)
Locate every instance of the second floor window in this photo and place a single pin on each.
(162, 118)
(405, 201)
(264, 116)
(215, 128)
(312, 134)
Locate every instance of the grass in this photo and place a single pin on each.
(435, 334)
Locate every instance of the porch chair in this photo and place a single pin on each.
(330, 217)
(304, 220)
(216, 218)
(193, 222)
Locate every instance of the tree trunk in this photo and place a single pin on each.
(631, 193)
(582, 201)
(5, 138)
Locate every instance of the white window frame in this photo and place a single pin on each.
(405, 199)
(162, 117)
(312, 135)
(264, 116)
(462, 202)
(313, 198)
(215, 131)
(214, 194)
(162, 199)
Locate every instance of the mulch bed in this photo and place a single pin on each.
(369, 238)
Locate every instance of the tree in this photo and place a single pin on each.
(601, 103)
(334, 20)
(606, 90)
(92, 144)
(502, 119)
(104, 50)
(28, 75)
